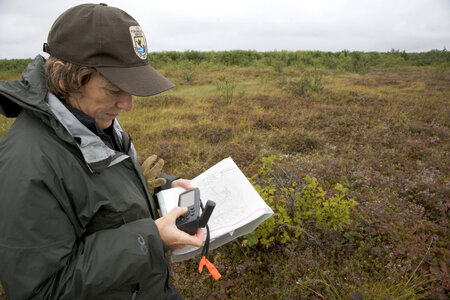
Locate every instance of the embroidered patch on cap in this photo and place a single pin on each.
(139, 42)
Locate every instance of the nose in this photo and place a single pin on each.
(125, 101)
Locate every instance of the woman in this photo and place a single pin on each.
(77, 218)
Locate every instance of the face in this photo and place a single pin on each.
(101, 100)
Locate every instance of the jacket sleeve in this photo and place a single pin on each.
(169, 179)
(42, 258)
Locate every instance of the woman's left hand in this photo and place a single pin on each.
(184, 183)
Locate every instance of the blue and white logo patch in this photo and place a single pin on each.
(139, 42)
(141, 242)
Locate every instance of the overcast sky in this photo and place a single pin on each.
(262, 25)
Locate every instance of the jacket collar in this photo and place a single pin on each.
(97, 155)
(25, 93)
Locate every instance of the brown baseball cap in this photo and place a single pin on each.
(111, 41)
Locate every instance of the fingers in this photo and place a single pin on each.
(157, 168)
(199, 237)
(179, 211)
(176, 213)
(184, 183)
(147, 163)
(194, 240)
(148, 170)
(154, 183)
(183, 237)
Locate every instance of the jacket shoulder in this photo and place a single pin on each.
(31, 144)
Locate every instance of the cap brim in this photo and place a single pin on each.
(139, 81)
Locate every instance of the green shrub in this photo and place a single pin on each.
(317, 79)
(188, 71)
(441, 70)
(308, 82)
(296, 207)
(301, 86)
(226, 88)
(359, 63)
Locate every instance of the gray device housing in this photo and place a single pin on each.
(192, 220)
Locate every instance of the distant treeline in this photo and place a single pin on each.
(352, 61)
(9, 67)
(330, 60)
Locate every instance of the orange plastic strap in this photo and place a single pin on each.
(202, 264)
(211, 268)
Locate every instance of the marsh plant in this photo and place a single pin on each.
(310, 81)
(441, 70)
(188, 72)
(226, 88)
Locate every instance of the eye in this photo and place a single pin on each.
(114, 91)
(111, 89)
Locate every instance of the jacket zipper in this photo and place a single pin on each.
(135, 292)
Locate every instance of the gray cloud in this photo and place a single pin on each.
(264, 25)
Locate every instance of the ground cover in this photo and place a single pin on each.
(382, 132)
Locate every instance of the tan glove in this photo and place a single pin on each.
(150, 168)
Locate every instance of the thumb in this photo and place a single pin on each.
(179, 211)
(156, 182)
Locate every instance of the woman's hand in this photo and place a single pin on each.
(184, 183)
(168, 230)
(172, 236)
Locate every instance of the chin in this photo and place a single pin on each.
(104, 125)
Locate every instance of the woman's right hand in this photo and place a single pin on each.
(172, 236)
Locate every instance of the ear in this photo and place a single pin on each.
(56, 65)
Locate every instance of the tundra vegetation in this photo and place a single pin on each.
(350, 149)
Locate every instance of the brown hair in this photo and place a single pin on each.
(67, 78)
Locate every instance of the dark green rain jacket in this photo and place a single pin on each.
(76, 219)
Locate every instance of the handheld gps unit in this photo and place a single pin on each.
(192, 219)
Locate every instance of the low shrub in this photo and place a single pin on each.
(297, 207)
(310, 81)
(188, 72)
(159, 101)
(226, 88)
(294, 142)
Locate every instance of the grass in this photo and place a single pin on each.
(383, 134)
